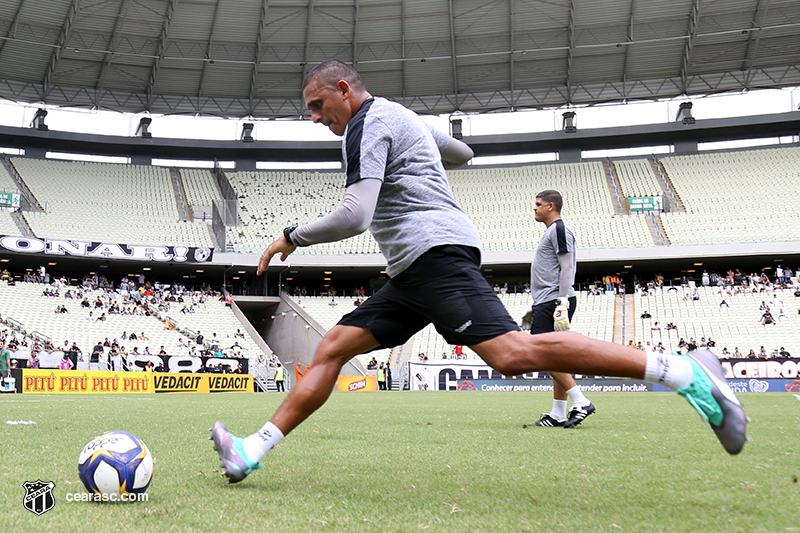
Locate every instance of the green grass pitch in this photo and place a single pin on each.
(422, 461)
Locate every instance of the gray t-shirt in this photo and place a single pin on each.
(545, 270)
(416, 209)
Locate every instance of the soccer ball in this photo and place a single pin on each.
(116, 465)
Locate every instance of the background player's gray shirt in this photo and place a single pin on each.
(545, 270)
(416, 209)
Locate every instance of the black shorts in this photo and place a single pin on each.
(444, 286)
(543, 315)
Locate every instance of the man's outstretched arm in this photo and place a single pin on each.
(351, 218)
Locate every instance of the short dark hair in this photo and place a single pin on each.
(328, 74)
(552, 197)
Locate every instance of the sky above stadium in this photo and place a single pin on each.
(598, 116)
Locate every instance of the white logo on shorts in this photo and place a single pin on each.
(464, 326)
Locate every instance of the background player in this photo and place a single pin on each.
(554, 303)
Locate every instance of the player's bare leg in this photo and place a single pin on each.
(698, 376)
(239, 456)
(516, 353)
(339, 345)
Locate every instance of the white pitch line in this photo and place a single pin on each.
(797, 396)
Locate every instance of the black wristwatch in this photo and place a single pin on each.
(287, 234)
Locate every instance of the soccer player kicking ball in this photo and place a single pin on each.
(397, 187)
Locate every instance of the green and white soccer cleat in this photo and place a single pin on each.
(235, 463)
(714, 400)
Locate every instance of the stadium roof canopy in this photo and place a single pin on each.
(248, 57)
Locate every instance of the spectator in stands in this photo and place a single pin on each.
(102, 318)
(199, 339)
(162, 351)
(143, 337)
(238, 334)
(691, 345)
(695, 295)
(66, 363)
(90, 317)
(706, 279)
(762, 353)
(373, 364)
(767, 318)
(723, 304)
(671, 326)
(783, 353)
(725, 352)
(148, 367)
(333, 303)
(646, 315)
(781, 315)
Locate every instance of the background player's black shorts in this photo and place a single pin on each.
(543, 315)
(444, 286)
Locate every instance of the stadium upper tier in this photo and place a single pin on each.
(103, 202)
(499, 201)
(137, 204)
(742, 196)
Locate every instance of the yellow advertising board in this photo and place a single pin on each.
(49, 381)
(357, 383)
(46, 381)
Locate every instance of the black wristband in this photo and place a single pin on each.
(287, 234)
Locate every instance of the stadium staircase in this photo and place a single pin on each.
(180, 195)
(614, 187)
(27, 195)
(22, 224)
(671, 201)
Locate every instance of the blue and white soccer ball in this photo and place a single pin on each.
(117, 465)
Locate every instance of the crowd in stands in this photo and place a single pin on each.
(730, 285)
(134, 297)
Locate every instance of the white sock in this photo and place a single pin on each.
(577, 398)
(669, 370)
(559, 411)
(257, 445)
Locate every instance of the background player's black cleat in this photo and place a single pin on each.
(578, 414)
(546, 421)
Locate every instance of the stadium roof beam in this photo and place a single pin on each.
(570, 49)
(511, 50)
(116, 36)
(453, 60)
(209, 60)
(627, 50)
(694, 18)
(403, 47)
(162, 47)
(262, 27)
(66, 30)
(309, 24)
(355, 33)
(12, 28)
(752, 43)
